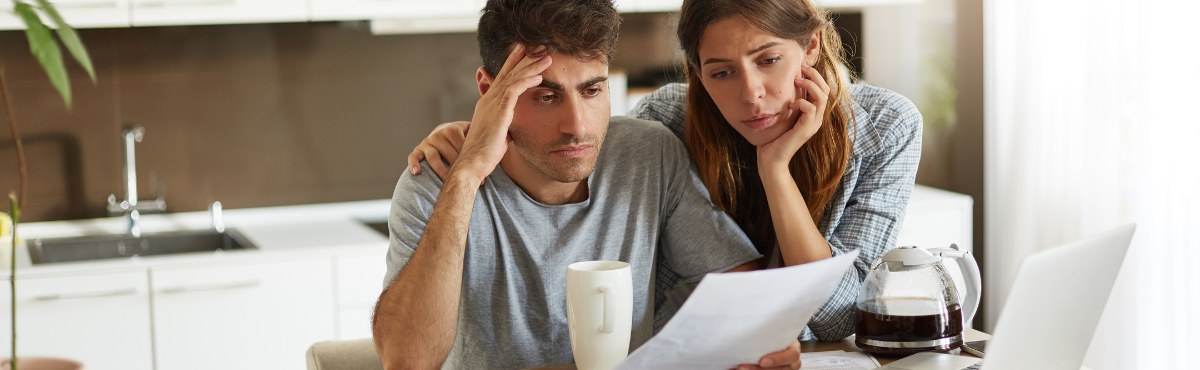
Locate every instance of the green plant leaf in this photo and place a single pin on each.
(44, 47)
(15, 208)
(69, 38)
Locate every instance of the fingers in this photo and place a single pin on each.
(788, 358)
(435, 162)
(519, 68)
(527, 75)
(414, 161)
(812, 91)
(804, 106)
(515, 55)
(447, 150)
(811, 74)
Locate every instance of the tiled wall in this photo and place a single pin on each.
(251, 115)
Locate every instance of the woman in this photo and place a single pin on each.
(808, 164)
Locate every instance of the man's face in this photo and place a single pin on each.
(559, 126)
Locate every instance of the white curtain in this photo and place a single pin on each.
(1093, 120)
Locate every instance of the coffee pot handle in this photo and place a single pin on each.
(971, 277)
(610, 310)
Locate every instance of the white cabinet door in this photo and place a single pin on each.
(359, 280)
(101, 320)
(182, 12)
(657, 5)
(324, 10)
(249, 316)
(77, 13)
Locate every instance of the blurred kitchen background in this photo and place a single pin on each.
(1059, 118)
(294, 113)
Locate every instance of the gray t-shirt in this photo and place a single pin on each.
(644, 203)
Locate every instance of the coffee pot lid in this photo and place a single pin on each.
(910, 255)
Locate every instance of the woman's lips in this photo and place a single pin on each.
(761, 121)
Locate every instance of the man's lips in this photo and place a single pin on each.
(761, 121)
(573, 151)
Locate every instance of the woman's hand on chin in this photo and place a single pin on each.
(812, 97)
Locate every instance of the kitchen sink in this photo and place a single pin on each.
(87, 248)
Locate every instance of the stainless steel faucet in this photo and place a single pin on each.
(130, 207)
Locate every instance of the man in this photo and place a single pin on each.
(477, 266)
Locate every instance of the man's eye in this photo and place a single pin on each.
(591, 92)
(548, 98)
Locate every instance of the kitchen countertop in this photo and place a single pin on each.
(277, 232)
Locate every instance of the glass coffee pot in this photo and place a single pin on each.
(909, 302)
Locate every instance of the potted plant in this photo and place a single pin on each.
(46, 49)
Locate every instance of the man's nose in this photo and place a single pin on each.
(574, 119)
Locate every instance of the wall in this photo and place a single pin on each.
(932, 53)
(251, 115)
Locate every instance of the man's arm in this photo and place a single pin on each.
(417, 315)
(416, 318)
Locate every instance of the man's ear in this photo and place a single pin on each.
(812, 50)
(483, 79)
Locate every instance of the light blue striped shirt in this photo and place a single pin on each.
(868, 208)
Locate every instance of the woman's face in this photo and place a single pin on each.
(750, 75)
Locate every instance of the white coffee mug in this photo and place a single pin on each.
(599, 312)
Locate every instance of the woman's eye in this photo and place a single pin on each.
(720, 75)
(772, 60)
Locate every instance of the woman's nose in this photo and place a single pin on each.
(752, 88)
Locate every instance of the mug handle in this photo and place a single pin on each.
(610, 308)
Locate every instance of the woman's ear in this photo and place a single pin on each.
(812, 51)
(483, 80)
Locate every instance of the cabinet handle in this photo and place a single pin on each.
(208, 287)
(175, 3)
(99, 294)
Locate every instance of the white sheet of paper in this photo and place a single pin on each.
(737, 318)
(838, 360)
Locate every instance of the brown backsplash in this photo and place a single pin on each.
(251, 115)
(260, 114)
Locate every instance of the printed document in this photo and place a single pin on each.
(735, 318)
(838, 360)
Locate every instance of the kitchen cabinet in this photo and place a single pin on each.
(182, 12)
(77, 13)
(241, 316)
(656, 5)
(325, 10)
(358, 280)
(101, 320)
(936, 218)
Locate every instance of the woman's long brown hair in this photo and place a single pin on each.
(726, 162)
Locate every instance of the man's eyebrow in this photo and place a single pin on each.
(548, 84)
(552, 85)
(593, 81)
(755, 50)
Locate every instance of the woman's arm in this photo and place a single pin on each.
(796, 232)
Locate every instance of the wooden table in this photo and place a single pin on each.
(848, 345)
(845, 345)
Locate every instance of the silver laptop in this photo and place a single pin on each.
(1052, 311)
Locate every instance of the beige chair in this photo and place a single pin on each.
(358, 354)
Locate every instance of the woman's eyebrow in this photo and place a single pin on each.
(752, 51)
